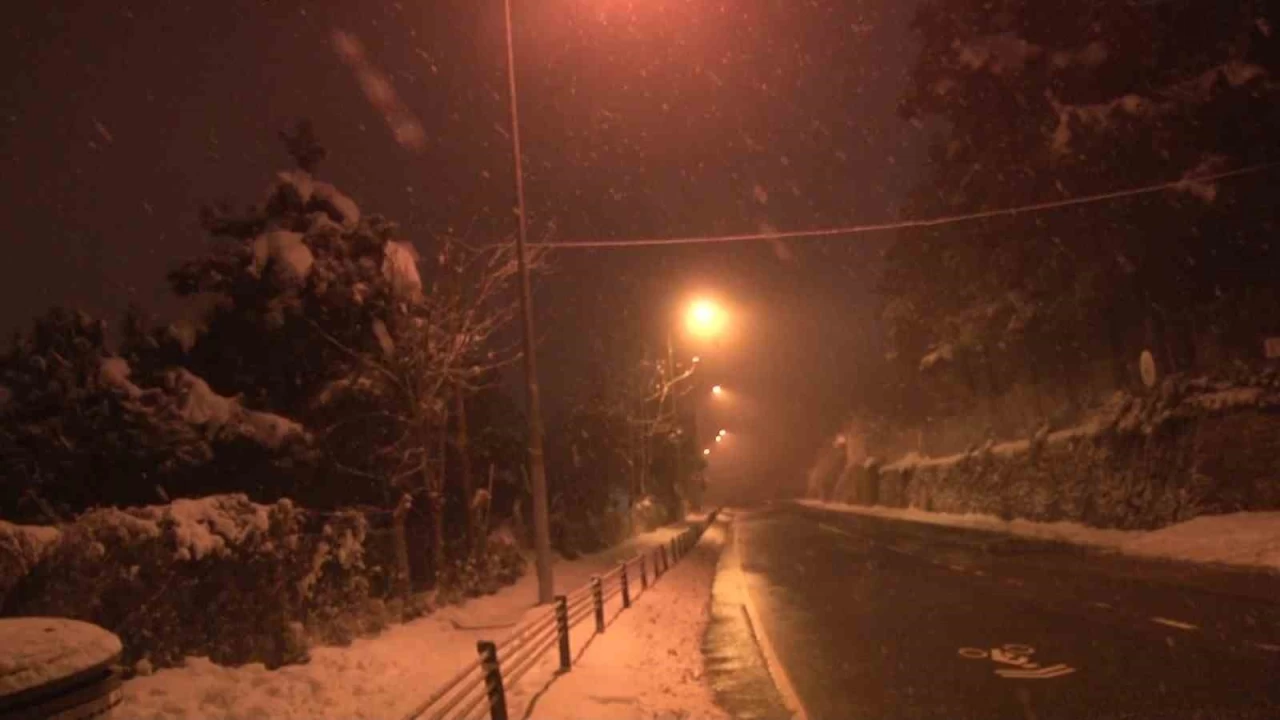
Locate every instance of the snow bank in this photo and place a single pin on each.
(38, 650)
(1244, 539)
(1250, 539)
(371, 679)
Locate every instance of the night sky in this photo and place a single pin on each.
(640, 119)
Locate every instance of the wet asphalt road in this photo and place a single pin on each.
(881, 619)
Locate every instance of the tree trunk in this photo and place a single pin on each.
(464, 464)
(433, 480)
(403, 582)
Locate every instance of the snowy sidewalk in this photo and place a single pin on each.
(648, 664)
(1247, 539)
(377, 678)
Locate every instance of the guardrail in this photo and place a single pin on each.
(479, 689)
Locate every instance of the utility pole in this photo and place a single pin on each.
(537, 466)
(675, 410)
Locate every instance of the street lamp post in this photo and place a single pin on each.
(537, 465)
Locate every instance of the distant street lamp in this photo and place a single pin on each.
(722, 433)
(719, 438)
(706, 451)
(717, 390)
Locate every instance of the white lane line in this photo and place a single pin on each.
(1104, 606)
(1175, 623)
(1268, 647)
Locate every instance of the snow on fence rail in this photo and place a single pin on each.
(478, 690)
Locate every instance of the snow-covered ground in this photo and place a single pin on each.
(1249, 539)
(648, 664)
(378, 678)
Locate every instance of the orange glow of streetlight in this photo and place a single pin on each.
(706, 451)
(717, 390)
(722, 433)
(719, 438)
(704, 319)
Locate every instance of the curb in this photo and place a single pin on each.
(776, 670)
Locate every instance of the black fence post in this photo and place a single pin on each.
(562, 628)
(675, 550)
(626, 588)
(644, 574)
(492, 679)
(597, 597)
(662, 555)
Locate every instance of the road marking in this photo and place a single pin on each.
(1267, 646)
(1018, 657)
(957, 568)
(1104, 606)
(1175, 623)
(1044, 673)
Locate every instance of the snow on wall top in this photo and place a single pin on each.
(35, 651)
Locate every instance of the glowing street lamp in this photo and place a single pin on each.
(722, 433)
(719, 438)
(717, 390)
(706, 451)
(704, 319)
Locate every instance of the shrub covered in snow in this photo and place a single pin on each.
(501, 563)
(220, 577)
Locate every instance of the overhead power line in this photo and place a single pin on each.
(911, 224)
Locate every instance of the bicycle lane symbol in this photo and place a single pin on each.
(1017, 663)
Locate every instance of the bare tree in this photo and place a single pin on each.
(440, 340)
